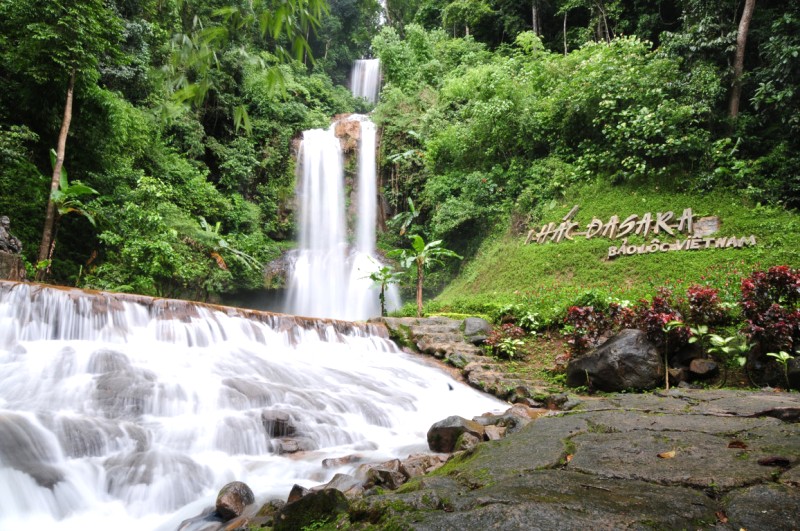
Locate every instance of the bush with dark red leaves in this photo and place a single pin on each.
(770, 306)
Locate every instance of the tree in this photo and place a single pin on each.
(738, 63)
(64, 41)
(65, 199)
(383, 277)
(422, 256)
(283, 25)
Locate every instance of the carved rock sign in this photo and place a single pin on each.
(664, 224)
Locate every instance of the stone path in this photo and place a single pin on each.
(677, 460)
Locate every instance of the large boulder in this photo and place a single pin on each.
(232, 499)
(314, 508)
(476, 330)
(628, 361)
(443, 435)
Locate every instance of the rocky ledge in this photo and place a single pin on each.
(456, 343)
(683, 459)
(677, 460)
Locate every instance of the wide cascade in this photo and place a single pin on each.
(124, 412)
(330, 277)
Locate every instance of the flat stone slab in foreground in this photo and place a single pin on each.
(678, 460)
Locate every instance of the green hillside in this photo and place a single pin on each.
(550, 277)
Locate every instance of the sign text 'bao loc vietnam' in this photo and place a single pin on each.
(663, 224)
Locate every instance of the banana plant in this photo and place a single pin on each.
(67, 199)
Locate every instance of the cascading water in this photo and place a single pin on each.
(126, 412)
(365, 79)
(329, 278)
(318, 282)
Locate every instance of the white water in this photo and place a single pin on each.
(330, 278)
(318, 282)
(365, 79)
(119, 414)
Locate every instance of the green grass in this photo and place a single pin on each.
(547, 278)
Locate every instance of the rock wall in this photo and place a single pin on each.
(11, 267)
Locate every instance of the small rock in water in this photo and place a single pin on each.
(232, 499)
(277, 423)
(335, 462)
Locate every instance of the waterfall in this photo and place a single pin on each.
(128, 412)
(330, 278)
(365, 79)
(318, 284)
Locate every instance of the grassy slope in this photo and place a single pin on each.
(548, 278)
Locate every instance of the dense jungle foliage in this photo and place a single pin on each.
(185, 113)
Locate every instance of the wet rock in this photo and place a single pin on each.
(25, 447)
(442, 436)
(346, 484)
(232, 499)
(296, 493)
(336, 462)
(291, 446)
(124, 393)
(628, 361)
(103, 361)
(387, 474)
(277, 423)
(208, 520)
(420, 464)
(322, 506)
(703, 368)
(176, 473)
(265, 517)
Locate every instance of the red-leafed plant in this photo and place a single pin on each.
(583, 325)
(505, 340)
(705, 306)
(654, 318)
(770, 306)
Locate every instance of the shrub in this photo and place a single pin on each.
(654, 318)
(770, 306)
(583, 327)
(621, 316)
(505, 340)
(705, 306)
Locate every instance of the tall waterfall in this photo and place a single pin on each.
(365, 79)
(129, 413)
(331, 278)
(318, 284)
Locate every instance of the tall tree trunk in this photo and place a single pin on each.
(420, 271)
(565, 34)
(738, 63)
(536, 18)
(48, 233)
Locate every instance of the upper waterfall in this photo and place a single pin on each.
(365, 79)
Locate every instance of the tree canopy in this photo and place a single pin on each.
(184, 115)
